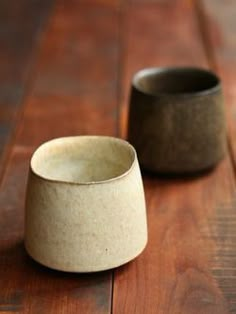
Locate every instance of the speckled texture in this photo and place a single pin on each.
(177, 133)
(91, 226)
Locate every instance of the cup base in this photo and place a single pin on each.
(87, 269)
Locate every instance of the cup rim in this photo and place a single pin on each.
(175, 69)
(122, 175)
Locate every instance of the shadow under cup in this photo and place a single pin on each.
(85, 206)
(177, 119)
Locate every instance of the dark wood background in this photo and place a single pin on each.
(65, 69)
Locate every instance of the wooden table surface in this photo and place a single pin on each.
(65, 69)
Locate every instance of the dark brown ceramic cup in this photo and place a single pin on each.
(177, 120)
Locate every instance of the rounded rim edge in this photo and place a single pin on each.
(135, 159)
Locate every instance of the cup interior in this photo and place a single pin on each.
(83, 159)
(156, 81)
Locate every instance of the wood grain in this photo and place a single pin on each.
(220, 27)
(148, 41)
(75, 86)
(174, 274)
(21, 26)
(73, 92)
(111, 3)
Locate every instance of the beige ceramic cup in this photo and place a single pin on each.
(85, 206)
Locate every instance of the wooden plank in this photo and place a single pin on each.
(220, 26)
(73, 92)
(21, 25)
(75, 88)
(219, 22)
(113, 3)
(151, 41)
(175, 273)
